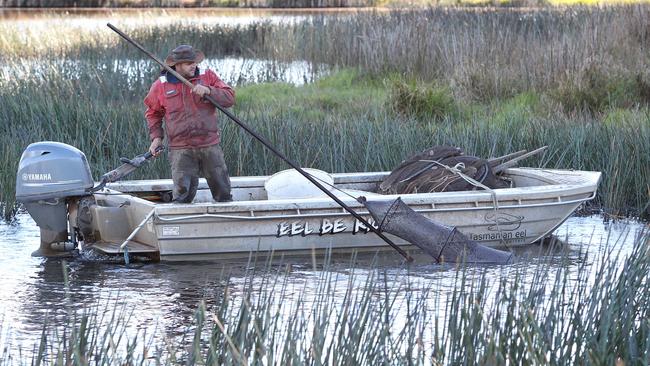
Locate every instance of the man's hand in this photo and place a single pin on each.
(157, 142)
(201, 90)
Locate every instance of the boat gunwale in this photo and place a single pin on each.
(132, 186)
(158, 217)
(518, 194)
(475, 199)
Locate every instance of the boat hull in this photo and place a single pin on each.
(541, 201)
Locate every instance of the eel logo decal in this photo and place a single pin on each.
(502, 221)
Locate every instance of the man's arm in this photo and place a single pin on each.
(154, 115)
(220, 91)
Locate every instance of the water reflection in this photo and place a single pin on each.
(162, 298)
(106, 69)
(233, 70)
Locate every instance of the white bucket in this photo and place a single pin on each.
(291, 184)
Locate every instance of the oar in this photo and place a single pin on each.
(266, 143)
(510, 163)
(496, 161)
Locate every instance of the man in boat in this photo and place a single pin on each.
(190, 123)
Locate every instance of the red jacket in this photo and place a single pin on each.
(189, 120)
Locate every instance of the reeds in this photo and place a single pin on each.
(482, 53)
(547, 313)
(184, 3)
(322, 126)
(490, 81)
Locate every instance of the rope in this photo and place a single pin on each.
(456, 170)
(442, 249)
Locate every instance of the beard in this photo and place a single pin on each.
(189, 74)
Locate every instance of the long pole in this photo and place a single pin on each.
(267, 144)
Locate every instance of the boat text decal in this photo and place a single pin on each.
(505, 235)
(37, 176)
(171, 230)
(501, 226)
(326, 226)
(501, 221)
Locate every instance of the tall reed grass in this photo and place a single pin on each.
(320, 126)
(549, 313)
(482, 53)
(488, 70)
(184, 3)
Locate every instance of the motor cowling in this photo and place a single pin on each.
(48, 174)
(51, 170)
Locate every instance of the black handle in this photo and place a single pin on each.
(148, 155)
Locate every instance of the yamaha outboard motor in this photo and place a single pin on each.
(48, 174)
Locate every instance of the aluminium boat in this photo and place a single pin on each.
(55, 185)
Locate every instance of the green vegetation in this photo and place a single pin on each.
(346, 92)
(345, 122)
(596, 90)
(549, 313)
(425, 102)
(489, 81)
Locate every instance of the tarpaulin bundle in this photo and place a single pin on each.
(436, 170)
(444, 243)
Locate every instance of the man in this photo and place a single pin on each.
(190, 124)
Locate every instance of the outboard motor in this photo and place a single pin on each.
(48, 174)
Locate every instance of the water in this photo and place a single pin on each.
(233, 70)
(163, 297)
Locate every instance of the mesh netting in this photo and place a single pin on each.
(444, 243)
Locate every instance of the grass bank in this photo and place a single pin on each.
(348, 121)
(547, 313)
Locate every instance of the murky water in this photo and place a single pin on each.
(163, 297)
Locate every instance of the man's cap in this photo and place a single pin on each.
(184, 53)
